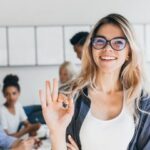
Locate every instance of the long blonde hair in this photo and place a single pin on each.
(131, 74)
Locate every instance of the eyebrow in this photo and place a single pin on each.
(122, 37)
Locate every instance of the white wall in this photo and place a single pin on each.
(60, 12)
(31, 80)
(41, 12)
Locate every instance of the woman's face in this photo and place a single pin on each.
(63, 75)
(11, 94)
(107, 59)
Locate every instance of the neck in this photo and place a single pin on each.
(9, 105)
(108, 82)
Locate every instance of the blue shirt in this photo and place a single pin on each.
(5, 140)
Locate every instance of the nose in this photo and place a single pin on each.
(108, 47)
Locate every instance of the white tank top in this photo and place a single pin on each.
(114, 134)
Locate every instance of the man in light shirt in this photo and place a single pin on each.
(77, 41)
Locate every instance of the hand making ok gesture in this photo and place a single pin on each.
(57, 108)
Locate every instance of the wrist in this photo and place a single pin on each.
(57, 135)
(58, 140)
(57, 132)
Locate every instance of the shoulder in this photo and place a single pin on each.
(143, 127)
(3, 109)
(144, 101)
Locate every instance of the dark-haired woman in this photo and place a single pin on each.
(11, 112)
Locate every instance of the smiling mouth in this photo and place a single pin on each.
(107, 58)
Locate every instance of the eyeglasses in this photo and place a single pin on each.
(117, 43)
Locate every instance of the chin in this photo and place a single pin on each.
(108, 69)
(14, 101)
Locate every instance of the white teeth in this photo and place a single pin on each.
(108, 57)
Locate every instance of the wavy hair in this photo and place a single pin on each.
(131, 74)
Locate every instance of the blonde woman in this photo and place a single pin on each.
(112, 109)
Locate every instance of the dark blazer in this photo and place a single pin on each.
(141, 138)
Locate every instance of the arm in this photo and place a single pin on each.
(57, 116)
(32, 128)
(5, 140)
(19, 133)
(58, 141)
(28, 128)
(8, 142)
(24, 144)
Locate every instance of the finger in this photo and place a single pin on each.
(70, 147)
(65, 103)
(32, 137)
(37, 144)
(63, 100)
(48, 92)
(60, 98)
(55, 90)
(71, 105)
(30, 141)
(72, 142)
(42, 99)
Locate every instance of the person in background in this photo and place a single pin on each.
(66, 72)
(12, 143)
(12, 113)
(78, 41)
(112, 101)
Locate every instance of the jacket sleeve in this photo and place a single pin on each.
(143, 139)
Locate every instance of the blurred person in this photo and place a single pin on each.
(12, 113)
(12, 143)
(78, 41)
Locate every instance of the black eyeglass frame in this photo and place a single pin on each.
(108, 42)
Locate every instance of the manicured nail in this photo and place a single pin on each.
(69, 136)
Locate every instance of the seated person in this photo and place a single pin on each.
(9, 142)
(12, 113)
